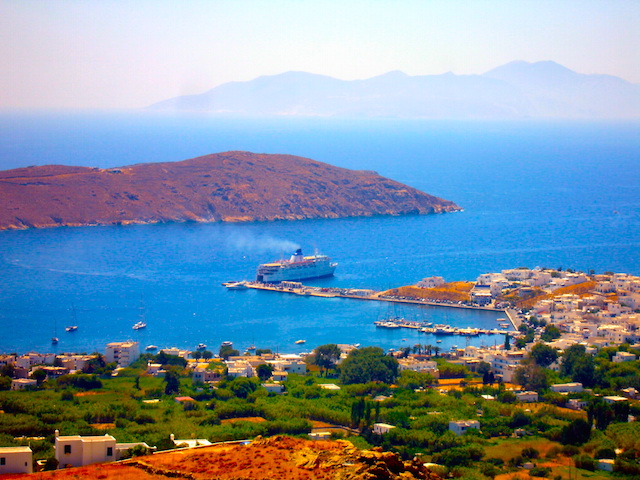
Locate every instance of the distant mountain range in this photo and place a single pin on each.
(515, 90)
(222, 187)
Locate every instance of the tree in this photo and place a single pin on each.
(264, 371)
(227, 351)
(531, 376)
(576, 433)
(172, 379)
(550, 333)
(39, 376)
(507, 343)
(208, 355)
(242, 386)
(578, 365)
(368, 364)
(197, 354)
(8, 370)
(600, 413)
(543, 355)
(326, 356)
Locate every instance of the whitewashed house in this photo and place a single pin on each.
(459, 427)
(16, 460)
(23, 383)
(382, 428)
(76, 450)
(527, 397)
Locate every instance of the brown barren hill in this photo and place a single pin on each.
(449, 292)
(222, 187)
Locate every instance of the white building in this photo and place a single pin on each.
(76, 450)
(461, 426)
(205, 375)
(577, 404)
(189, 442)
(28, 360)
(425, 366)
(16, 460)
(527, 397)
(23, 383)
(276, 388)
(240, 369)
(382, 428)
(122, 353)
(574, 387)
(517, 274)
(75, 362)
(611, 399)
(620, 357)
(430, 282)
(176, 352)
(505, 364)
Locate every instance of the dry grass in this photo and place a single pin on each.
(449, 292)
(243, 419)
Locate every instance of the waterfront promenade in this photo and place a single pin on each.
(296, 288)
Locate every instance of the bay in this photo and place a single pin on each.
(554, 194)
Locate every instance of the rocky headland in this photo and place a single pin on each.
(222, 187)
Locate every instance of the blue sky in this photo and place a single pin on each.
(129, 54)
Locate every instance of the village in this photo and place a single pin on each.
(560, 318)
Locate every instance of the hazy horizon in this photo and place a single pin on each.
(124, 55)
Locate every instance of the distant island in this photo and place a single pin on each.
(515, 90)
(222, 187)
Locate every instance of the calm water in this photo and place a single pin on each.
(535, 194)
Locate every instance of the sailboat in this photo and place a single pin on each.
(72, 328)
(54, 339)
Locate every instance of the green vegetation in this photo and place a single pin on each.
(137, 407)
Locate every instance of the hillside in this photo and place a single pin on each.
(223, 187)
(514, 90)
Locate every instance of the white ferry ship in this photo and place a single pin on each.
(298, 267)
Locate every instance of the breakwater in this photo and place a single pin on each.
(296, 288)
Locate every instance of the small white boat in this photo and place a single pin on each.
(151, 347)
(54, 340)
(71, 328)
(201, 346)
(139, 326)
(237, 285)
(226, 343)
(299, 342)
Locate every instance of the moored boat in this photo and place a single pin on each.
(297, 267)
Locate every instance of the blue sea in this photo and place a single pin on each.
(535, 193)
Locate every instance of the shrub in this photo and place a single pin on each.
(585, 462)
(540, 471)
(530, 453)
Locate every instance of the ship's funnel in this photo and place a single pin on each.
(297, 256)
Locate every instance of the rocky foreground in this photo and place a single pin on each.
(223, 187)
(272, 458)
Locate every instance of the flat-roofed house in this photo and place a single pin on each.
(77, 451)
(382, 428)
(16, 460)
(461, 426)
